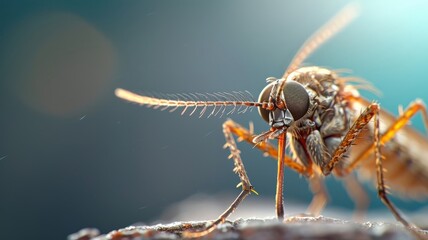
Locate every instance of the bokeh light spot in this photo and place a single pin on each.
(59, 64)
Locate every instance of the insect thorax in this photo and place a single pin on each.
(317, 135)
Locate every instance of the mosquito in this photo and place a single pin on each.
(322, 126)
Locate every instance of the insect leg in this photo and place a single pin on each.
(231, 128)
(381, 189)
(268, 149)
(320, 198)
(244, 193)
(316, 183)
(357, 193)
(400, 122)
(279, 198)
(372, 111)
(351, 136)
(239, 169)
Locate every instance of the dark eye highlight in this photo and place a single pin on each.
(297, 99)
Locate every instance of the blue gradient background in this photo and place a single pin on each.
(105, 163)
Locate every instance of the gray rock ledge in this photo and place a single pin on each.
(254, 229)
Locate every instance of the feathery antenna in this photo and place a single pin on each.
(331, 28)
(237, 102)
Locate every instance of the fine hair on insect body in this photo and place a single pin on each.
(322, 126)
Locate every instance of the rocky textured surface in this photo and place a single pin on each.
(292, 228)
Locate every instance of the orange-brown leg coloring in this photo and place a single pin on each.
(229, 128)
(400, 122)
(268, 149)
(359, 196)
(239, 169)
(372, 111)
(379, 170)
(220, 219)
(351, 136)
(279, 199)
(316, 183)
(320, 198)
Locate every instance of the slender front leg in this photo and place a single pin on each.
(280, 177)
(267, 148)
(320, 197)
(239, 169)
(220, 219)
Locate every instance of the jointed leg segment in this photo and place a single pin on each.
(244, 193)
(379, 170)
(358, 194)
(320, 197)
(400, 122)
(372, 111)
(230, 128)
(279, 199)
(268, 149)
(239, 169)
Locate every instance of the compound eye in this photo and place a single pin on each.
(264, 97)
(296, 98)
